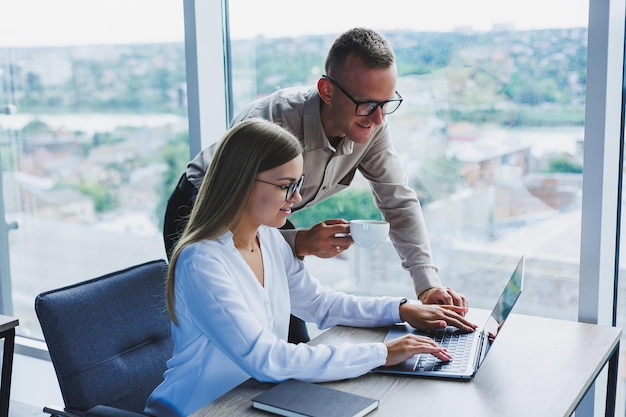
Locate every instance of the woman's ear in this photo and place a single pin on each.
(325, 89)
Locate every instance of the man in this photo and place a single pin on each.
(341, 123)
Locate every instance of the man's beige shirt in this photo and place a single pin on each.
(328, 170)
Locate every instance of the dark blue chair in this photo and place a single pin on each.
(109, 339)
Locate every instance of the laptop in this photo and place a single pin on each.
(468, 350)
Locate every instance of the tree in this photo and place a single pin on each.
(438, 178)
(563, 164)
(349, 204)
(175, 157)
(101, 195)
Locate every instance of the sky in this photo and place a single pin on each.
(76, 22)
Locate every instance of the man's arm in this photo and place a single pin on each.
(399, 205)
(197, 167)
(401, 208)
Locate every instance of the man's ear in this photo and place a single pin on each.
(325, 89)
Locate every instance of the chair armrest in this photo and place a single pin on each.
(106, 411)
(58, 411)
(97, 411)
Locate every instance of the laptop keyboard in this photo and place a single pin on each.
(458, 345)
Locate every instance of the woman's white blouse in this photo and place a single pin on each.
(231, 328)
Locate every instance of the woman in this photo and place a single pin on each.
(233, 282)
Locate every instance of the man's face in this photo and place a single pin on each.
(362, 84)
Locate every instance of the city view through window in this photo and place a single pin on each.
(93, 138)
(491, 135)
(92, 123)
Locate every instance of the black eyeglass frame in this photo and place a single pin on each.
(291, 188)
(371, 105)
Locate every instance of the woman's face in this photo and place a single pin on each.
(267, 204)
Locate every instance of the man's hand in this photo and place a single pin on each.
(432, 317)
(324, 240)
(444, 296)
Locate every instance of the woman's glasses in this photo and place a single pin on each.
(365, 108)
(291, 188)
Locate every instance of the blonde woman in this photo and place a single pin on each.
(234, 281)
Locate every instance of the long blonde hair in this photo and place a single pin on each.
(247, 149)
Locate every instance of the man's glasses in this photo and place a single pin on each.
(291, 188)
(365, 108)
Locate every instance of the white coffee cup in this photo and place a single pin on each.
(369, 233)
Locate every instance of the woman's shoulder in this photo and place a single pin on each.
(207, 249)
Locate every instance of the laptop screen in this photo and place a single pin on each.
(505, 303)
(479, 342)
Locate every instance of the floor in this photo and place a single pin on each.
(18, 409)
(33, 385)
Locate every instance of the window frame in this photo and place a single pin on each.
(208, 85)
(209, 111)
(601, 200)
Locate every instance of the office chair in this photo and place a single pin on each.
(109, 339)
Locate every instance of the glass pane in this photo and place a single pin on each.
(93, 137)
(491, 129)
(491, 132)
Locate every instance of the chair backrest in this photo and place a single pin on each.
(108, 337)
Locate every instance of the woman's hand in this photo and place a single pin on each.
(401, 349)
(430, 317)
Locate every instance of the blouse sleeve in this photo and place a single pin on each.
(314, 302)
(209, 297)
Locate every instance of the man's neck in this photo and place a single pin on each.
(328, 125)
(335, 141)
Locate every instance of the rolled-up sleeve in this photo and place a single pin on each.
(399, 205)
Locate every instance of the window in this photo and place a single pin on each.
(491, 131)
(93, 137)
(493, 135)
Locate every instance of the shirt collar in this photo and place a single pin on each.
(314, 135)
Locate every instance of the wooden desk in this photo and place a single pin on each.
(7, 332)
(538, 367)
